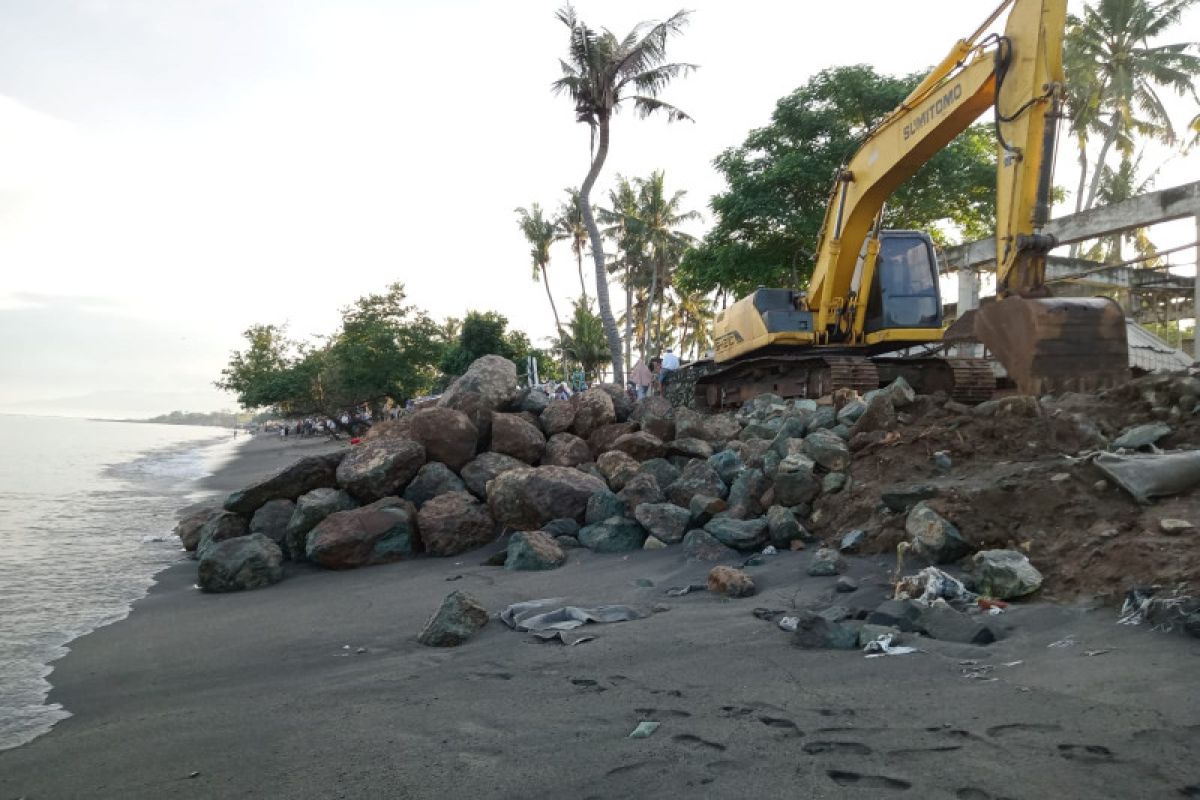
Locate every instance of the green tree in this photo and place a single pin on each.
(657, 222)
(1116, 186)
(540, 232)
(584, 341)
(258, 376)
(571, 228)
(599, 74)
(694, 317)
(482, 333)
(629, 261)
(779, 178)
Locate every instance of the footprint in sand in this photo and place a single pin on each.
(661, 712)
(860, 781)
(785, 725)
(696, 741)
(838, 748)
(1087, 753)
(917, 751)
(998, 731)
(972, 793)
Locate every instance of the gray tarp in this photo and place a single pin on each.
(1149, 475)
(551, 615)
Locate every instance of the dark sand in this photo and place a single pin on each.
(265, 695)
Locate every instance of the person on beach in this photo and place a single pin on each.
(642, 378)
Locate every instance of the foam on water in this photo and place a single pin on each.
(86, 516)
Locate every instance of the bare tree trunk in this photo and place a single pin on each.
(1083, 170)
(1109, 138)
(683, 334)
(585, 206)
(554, 308)
(628, 319)
(649, 305)
(582, 285)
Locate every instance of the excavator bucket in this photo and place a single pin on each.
(1056, 344)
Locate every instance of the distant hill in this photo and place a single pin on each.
(216, 419)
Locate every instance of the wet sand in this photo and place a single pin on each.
(266, 694)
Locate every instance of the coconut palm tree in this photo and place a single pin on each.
(629, 261)
(584, 341)
(1118, 185)
(657, 223)
(695, 318)
(1112, 55)
(599, 74)
(540, 233)
(571, 229)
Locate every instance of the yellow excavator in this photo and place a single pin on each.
(874, 298)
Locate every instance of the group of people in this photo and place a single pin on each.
(648, 380)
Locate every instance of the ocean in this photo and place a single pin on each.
(87, 510)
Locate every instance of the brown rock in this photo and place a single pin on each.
(458, 618)
(378, 533)
(526, 499)
(454, 523)
(314, 472)
(485, 467)
(566, 450)
(390, 428)
(730, 582)
(447, 434)
(380, 468)
(641, 446)
(488, 385)
(690, 448)
(622, 405)
(617, 468)
(593, 408)
(188, 528)
(558, 417)
(641, 488)
(879, 416)
(513, 436)
(602, 438)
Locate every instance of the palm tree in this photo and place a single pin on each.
(1110, 52)
(540, 233)
(1118, 185)
(600, 73)
(657, 221)
(585, 341)
(695, 310)
(571, 228)
(623, 200)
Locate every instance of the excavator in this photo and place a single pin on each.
(872, 310)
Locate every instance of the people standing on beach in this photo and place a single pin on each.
(641, 378)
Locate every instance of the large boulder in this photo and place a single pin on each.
(489, 384)
(457, 619)
(655, 415)
(730, 582)
(533, 550)
(311, 508)
(454, 523)
(516, 437)
(727, 463)
(303, 476)
(934, 537)
(746, 493)
(246, 562)
(665, 521)
(380, 468)
(783, 527)
(702, 508)
(604, 437)
(641, 488)
(740, 534)
(271, 519)
(566, 450)
(665, 473)
(532, 400)
(948, 625)
(815, 632)
(1005, 574)
(189, 526)
(558, 417)
(220, 527)
(641, 446)
(602, 505)
(880, 415)
(720, 428)
(432, 479)
(613, 535)
(617, 468)
(448, 435)
(484, 468)
(828, 450)
(689, 447)
(698, 477)
(795, 482)
(622, 405)
(700, 545)
(528, 498)
(378, 533)
(593, 408)
(397, 428)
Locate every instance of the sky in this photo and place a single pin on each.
(174, 171)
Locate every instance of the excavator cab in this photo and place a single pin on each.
(904, 292)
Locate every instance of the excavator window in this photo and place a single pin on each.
(904, 293)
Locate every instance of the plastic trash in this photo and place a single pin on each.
(552, 615)
(644, 729)
(882, 646)
(930, 585)
(1149, 475)
(565, 637)
(789, 624)
(769, 550)
(680, 591)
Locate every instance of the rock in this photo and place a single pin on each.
(527, 498)
(271, 519)
(220, 527)
(454, 523)
(379, 533)
(795, 482)
(622, 405)
(1140, 436)
(825, 563)
(833, 482)
(933, 537)
(901, 498)
(792, 430)
(641, 446)
(702, 546)
(690, 447)
(720, 428)
(457, 619)
(514, 436)
(761, 430)
(727, 465)
(432, 479)
(653, 543)
(665, 521)
(697, 478)
(613, 535)
(702, 508)
(489, 384)
(745, 495)
(311, 508)
(617, 468)
(245, 562)
(900, 393)
(398, 428)
(665, 473)
(879, 415)
(947, 625)
(558, 417)
(641, 488)
(783, 527)
(748, 534)
(1012, 406)
(828, 450)
(593, 408)
(602, 505)
(689, 424)
(853, 541)
(533, 401)
(730, 582)
(484, 468)
(188, 528)
(1005, 574)
(868, 633)
(566, 450)
(289, 483)
(448, 435)
(533, 550)
(845, 585)
(850, 413)
(568, 542)
(656, 416)
(380, 468)
(904, 615)
(1174, 527)
(561, 527)
(823, 417)
(841, 431)
(814, 632)
(604, 437)
(942, 460)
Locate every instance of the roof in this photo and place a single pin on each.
(1148, 352)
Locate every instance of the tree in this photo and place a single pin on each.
(1116, 186)
(483, 333)
(571, 228)
(623, 200)
(779, 179)
(600, 73)
(540, 233)
(585, 342)
(695, 320)
(1110, 59)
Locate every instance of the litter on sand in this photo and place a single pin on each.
(1149, 475)
(552, 615)
(931, 584)
(566, 637)
(883, 646)
(644, 730)
(680, 591)
(1067, 642)
(789, 624)
(1173, 612)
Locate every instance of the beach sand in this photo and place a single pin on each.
(317, 688)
